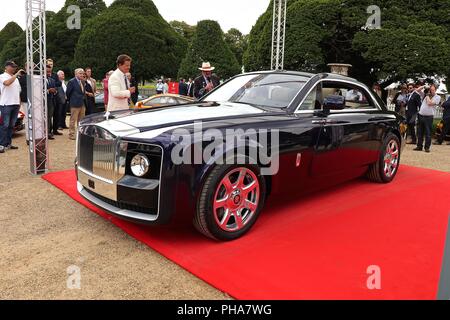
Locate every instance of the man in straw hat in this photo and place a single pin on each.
(206, 82)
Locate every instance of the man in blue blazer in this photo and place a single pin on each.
(76, 93)
(52, 127)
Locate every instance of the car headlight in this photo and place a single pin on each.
(140, 165)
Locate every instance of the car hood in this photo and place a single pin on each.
(173, 116)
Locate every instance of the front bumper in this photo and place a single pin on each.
(104, 178)
(131, 198)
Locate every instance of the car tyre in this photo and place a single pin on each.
(386, 168)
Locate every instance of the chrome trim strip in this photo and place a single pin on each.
(157, 132)
(337, 111)
(362, 86)
(115, 210)
(95, 176)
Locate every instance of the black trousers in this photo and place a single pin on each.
(424, 128)
(445, 130)
(62, 115)
(50, 112)
(56, 111)
(411, 121)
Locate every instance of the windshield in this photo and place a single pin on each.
(270, 90)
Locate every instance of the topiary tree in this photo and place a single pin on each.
(183, 29)
(257, 55)
(15, 49)
(208, 45)
(237, 42)
(61, 41)
(10, 31)
(134, 28)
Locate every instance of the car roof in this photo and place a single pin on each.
(332, 76)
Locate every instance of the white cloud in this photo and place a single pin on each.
(240, 14)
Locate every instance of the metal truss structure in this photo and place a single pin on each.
(278, 34)
(36, 86)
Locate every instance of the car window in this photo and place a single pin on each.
(171, 100)
(345, 96)
(151, 102)
(180, 100)
(271, 90)
(312, 100)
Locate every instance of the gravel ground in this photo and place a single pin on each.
(43, 232)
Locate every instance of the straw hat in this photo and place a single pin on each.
(206, 66)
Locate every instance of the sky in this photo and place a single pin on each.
(240, 14)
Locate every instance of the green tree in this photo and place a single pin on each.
(10, 31)
(257, 55)
(15, 48)
(324, 31)
(134, 28)
(185, 30)
(208, 44)
(408, 48)
(61, 41)
(237, 42)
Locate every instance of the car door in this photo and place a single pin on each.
(349, 138)
(299, 140)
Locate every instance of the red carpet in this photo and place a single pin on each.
(320, 246)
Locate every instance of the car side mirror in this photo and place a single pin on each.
(139, 105)
(334, 102)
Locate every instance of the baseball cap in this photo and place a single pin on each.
(10, 63)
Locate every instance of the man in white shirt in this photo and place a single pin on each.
(62, 100)
(119, 89)
(426, 116)
(159, 87)
(9, 104)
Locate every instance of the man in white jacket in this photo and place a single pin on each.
(119, 86)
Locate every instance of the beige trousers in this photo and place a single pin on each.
(76, 114)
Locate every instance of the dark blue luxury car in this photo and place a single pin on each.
(217, 160)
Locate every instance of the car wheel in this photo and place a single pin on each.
(230, 201)
(386, 168)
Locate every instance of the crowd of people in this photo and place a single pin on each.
(418, 102)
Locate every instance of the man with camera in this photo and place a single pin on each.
(426, 116)
(9, 104)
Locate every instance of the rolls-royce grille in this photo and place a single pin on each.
(97, 152)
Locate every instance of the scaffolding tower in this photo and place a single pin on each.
(36, 86)
(278, 34)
